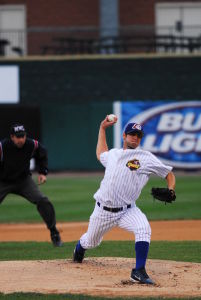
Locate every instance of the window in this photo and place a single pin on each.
(181, 20)
(12, 30)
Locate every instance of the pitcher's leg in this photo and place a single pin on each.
(136, 221)
(100, 222)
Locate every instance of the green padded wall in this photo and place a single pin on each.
(70, 133)
(74, 95)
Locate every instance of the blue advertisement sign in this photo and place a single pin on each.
(172, 129)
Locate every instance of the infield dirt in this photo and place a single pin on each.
(161, 230)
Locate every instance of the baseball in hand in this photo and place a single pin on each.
(111, 118)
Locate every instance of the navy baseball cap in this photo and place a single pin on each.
(134, 128)
(18, 130)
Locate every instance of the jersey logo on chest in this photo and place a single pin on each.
(133, 164)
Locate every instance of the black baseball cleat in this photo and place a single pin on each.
(78, 256)
(141, 276)
(56, 239)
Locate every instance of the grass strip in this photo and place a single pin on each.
(37, 296)
(73, 200)
(188, 251)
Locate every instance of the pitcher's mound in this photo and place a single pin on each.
(100, 276)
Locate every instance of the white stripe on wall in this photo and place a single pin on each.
(117, 127)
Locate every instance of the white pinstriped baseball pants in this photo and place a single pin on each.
(101, 221)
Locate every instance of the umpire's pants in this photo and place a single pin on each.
(28, 189)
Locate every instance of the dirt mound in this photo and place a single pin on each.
(100, 276)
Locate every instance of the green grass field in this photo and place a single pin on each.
(188, 251)
(75, 297)
(73, 201)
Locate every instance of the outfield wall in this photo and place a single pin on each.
(74, 95)
(70, 131)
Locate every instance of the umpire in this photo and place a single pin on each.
(15, 176)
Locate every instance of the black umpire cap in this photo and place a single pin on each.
(18, 130)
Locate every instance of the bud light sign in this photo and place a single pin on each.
(172, 130)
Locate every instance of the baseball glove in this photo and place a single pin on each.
(163, 194)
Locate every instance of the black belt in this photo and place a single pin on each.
(113, 209)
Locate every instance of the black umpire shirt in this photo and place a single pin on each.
(15, 162)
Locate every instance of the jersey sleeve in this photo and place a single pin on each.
(155, 166)
(108, 155)
(104, 158)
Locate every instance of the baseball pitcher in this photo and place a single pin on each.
(127, 171)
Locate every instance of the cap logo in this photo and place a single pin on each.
(19, 128)
(137, 126)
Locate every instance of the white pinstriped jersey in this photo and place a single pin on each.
(126, 173)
